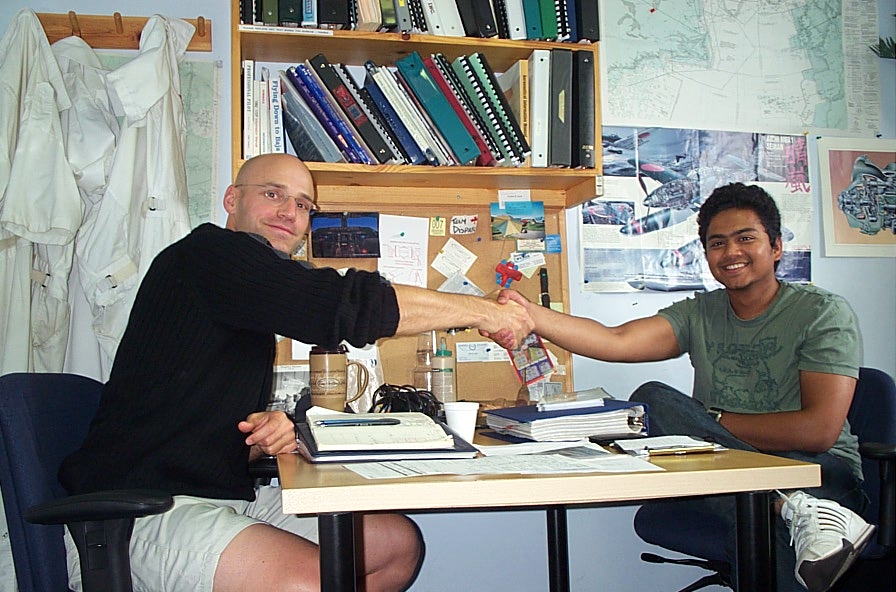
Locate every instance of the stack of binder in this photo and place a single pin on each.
(550, 20)
(378, 436)
(613, 419)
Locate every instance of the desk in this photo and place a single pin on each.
(335, 493)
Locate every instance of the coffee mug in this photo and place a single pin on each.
(329, 378)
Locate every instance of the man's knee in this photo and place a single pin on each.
(650, 391)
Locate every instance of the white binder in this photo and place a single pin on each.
(539, 106)
(443, 18)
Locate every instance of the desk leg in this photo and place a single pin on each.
(755, 543)
(558, 550)
(337, 551)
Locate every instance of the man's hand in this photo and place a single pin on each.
(508, 326)
(270, 432)
(505, 336)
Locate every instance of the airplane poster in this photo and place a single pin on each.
(642, 233)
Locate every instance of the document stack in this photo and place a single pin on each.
(613, 419)
(347, 437)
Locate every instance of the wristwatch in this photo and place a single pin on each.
(716, 413)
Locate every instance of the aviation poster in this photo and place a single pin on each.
(642, 233)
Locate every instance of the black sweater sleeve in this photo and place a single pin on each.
(244, 282)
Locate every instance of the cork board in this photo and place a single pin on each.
(480, 381)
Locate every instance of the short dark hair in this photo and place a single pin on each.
(746, 197)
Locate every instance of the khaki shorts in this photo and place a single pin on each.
(179, 549)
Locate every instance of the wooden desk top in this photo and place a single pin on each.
(312, 489)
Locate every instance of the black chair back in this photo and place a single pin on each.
(43, 419)
(872, 417)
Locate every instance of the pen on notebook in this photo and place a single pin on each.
(545, 294)
(352, 422)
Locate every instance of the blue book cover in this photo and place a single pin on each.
(320, 95)
(321, 115)
(391, 118)
(440, 111)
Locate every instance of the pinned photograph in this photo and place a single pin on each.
(345, 235)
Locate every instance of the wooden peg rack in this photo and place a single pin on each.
(114, 31)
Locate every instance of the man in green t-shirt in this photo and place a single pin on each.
(775, 369)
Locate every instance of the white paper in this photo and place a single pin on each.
(404, 242)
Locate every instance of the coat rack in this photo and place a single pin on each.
(114, 31)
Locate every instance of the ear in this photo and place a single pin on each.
(230, 199)
(778, 248)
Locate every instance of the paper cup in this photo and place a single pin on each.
(461, 417)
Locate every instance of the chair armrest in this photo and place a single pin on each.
(100, 505)
(264, 468)
(878, 450)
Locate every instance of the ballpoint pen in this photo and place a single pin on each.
(355, 422)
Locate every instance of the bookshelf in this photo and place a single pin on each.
(428, 191)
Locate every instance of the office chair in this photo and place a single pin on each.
(872, 417)
(43, 418)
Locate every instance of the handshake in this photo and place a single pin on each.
(512, 320)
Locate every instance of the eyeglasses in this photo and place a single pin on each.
(278, 197)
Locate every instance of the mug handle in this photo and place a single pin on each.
(363, 379)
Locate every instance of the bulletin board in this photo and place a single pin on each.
(479, 381)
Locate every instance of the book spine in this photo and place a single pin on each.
(277, 139)
(440, 145)
(322, 116)
(438, 107)
(248, 108)
(539, 105)
(548, 19)
(403, 16)
(479, 98)
(485, 19)
(331, 105)
(583, 137)
(309, 14)
(334, 14)
(290, 13)
(464, 99)
(532, 14)
(560, 149)
(270, 12)
(406, 111)
(560, 13)
(485, 157)
(403, 137)
(418, 19)
(381, 137)
(481, 66)
(348, 103)
(306, 134)
(587, 20)
(501, 22)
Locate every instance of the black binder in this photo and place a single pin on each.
(334, 14)
(560, 125)
(587, 23)
(353, 110)
(477, 18)
(583, 110)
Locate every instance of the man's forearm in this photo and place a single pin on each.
(424, 310)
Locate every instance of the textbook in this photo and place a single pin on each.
(613, 419)
(386, 436)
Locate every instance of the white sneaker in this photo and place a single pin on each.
(827, 536)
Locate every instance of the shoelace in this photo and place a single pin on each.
(806, 513)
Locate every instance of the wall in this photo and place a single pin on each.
(505, 551)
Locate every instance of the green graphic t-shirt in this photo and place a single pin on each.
(753, 366)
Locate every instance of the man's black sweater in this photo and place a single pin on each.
(197, 358)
